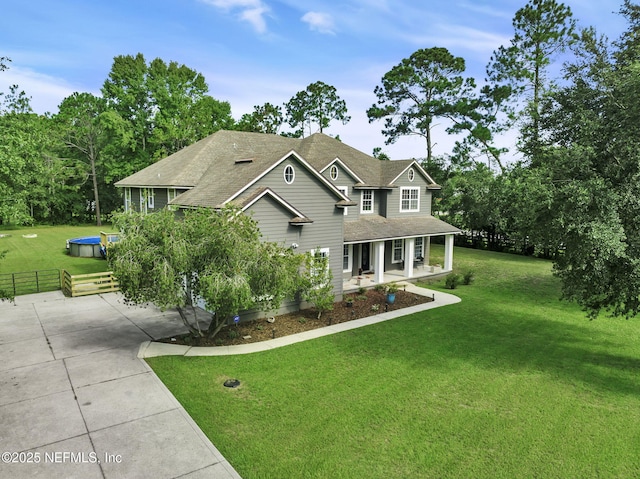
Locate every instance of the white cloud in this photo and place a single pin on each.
(251, 11)
(320, 22)
(46, 92)
(463, 37)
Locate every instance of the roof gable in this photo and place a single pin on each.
(406, 164)
(349, 171)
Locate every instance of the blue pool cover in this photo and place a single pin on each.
(86, 240)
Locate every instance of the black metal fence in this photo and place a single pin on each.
(30, 282)
(498, 242)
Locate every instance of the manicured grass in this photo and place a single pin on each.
(47, 250)
(508, 383)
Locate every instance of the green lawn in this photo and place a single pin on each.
(508, 383)
(47, 250)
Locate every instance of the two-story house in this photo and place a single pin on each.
(368, 216)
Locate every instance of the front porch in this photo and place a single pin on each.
(367, 264)
(368, 280)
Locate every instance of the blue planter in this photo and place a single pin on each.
(391, 297)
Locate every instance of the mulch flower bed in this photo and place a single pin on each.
(367, 303)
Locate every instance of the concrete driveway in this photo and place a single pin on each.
(76, 402)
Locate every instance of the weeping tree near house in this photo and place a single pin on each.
(213, 256)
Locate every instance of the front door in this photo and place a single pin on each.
(364, 247)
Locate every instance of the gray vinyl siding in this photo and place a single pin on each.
(273, 221)
(135, 199)
(345, 180)
(393, 197)
(160, 200)
(314, 200)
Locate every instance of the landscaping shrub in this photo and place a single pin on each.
(468, 277)
(452, 281)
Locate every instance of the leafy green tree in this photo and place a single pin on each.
(542, 30)
(379, 154)
(317, 288)
(426, 86)
(318, 104)
(590, 163)
(31, 175)
(216, 256)
(182, 111)
(158, 109)
(265, 118)
(79, 116)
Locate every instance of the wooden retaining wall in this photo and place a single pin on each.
(84, 284)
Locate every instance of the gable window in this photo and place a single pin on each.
(410, 199)
(366, 201)
(333, 172)
(344, 190)
(398, 250)
(289, 174)
(411, 174)
(346, 258)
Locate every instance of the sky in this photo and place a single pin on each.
(257, 51)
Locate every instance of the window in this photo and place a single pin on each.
(172, 194)
(143, 195)
(324, 253)
(289, 174)
(366, 203)
(127, 199)
(345, 191)
(333, 172)
(398, 250)
(346, 258)
(419, 248)
(410, 199)
(411, 174)
(151, 198)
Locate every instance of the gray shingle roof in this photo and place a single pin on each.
(375, 227)
(220, 166)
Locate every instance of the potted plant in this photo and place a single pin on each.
(392, 289)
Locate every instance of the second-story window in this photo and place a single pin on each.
(345, 191)
(410, 199)
(366, 203)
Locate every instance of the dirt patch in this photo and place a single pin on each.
(365, 304)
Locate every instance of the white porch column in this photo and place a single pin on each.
(427, 250)
(448, 252)
(378, 262)
(409, 253)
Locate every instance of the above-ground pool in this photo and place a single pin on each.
(86, 247)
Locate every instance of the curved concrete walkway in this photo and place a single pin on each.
(150, 349)
(77, 402)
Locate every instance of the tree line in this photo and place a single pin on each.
(60, 168)
(569, 92)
